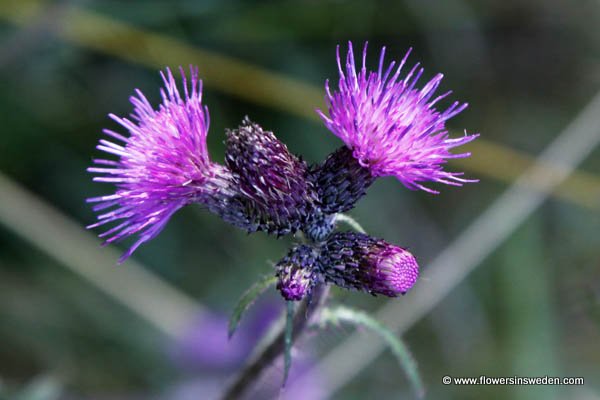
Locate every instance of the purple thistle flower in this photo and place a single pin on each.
(392, 127)
(358, 261)
(163, 165)
(274, 190)
(296, 272)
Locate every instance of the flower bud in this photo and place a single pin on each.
(272, 182)
(361, 262)
(296, 273)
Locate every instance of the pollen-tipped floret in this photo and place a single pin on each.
(296, 273)
(273, 184)
(361, 262)
(162, 165)
(393, 128)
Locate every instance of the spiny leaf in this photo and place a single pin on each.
(397, 346)
(350, 222)
(287, 344)
(247, 299)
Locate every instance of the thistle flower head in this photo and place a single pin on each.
(272, 181)
(392, 127)
(358, 261)
(162, 164)
(296, 273)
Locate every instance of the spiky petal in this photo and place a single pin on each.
(162, 165)
(275, 191)
(361, 262)
(393, 128)
(296, 272)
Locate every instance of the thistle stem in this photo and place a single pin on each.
(350, 222)
(275, 348)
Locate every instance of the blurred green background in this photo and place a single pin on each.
(75, 326)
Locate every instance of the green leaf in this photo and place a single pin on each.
(248, 299)
(287, 348)
(348, 220)
(397, 346)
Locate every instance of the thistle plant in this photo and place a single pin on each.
(388, 126)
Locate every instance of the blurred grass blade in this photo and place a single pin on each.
(397, 346)
(247, 299)
(40, 388)
(287, 343)
(147, 294)
(351, 222)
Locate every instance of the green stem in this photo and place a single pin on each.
(276, 347)
(350, 222)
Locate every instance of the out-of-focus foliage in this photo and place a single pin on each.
(530, 309)
(360, 319)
